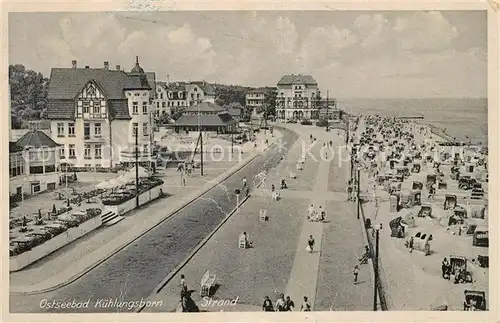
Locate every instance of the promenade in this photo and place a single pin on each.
(278, 261)
(75, 259)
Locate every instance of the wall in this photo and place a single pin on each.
(20, 261)
(131, 204)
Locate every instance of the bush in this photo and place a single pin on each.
(306, 122)
(322, 123)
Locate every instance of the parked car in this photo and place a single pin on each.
(306, 122)
(291, 121)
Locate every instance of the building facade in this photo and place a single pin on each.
(297, 97)
(255, 99)
(95, 113)
(34, 164)
(206, 116)
(177, 96)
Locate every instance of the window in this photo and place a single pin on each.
(177, 103)
(97, 129)
(87, 151)
(71, 129)
(62, 152)
(86, 107)
(97, 109)
(60, 129)
(135, 128)
(86, 130)
(136, 94)
(72, 154)
(170, 95)
(135, 107)
(36, 170)
(144, 107)
(50, 169)
(145, 131)
(157, 104)
(98, 151)
(163, 104)
(98, 165)
(87, 165)
(161, 96)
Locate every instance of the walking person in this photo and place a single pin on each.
(355, 272)
(183, 286)
(411, 244)
(305, 307)
(268, 305)
(310, 244)
(289, 304)
(444, 269)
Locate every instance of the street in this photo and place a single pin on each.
(136, 270)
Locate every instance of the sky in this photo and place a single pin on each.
(351, 54)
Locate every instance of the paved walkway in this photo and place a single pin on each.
(77, 258)
(303, 279)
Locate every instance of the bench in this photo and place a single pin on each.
(207, 282)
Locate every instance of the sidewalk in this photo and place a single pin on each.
(304, 277)
(79, 257)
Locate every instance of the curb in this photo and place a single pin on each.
(210, 185)
(200, 245)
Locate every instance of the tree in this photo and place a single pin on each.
(28, 94)
(226, 94)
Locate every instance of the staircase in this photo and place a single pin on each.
(111, 218)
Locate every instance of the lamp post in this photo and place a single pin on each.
(375, 264)
(357, 193)
(237, 192)
(137, 167)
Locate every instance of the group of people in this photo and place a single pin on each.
(459, 272)
(314, 215)
(284, 305)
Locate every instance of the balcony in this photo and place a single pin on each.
(94, 138)
(93, 116)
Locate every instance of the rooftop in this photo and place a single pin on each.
(36, 139)
(297, 79)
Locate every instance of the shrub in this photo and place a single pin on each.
(322, 123)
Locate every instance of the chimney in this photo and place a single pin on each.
(117, 67)
(74, 64)
(86, 66)
(106, 65)
(168, 80)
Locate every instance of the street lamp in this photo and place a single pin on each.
(237, 192)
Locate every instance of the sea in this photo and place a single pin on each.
(465, 119)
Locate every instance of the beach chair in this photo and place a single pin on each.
(242, 242)
(299, 166)
(207, 282)
(263, 215)
(293, 175)
(275, 196)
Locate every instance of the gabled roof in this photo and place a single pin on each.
(205, 107)
(66, 83)
(175, 86)
(207, 88)
(13, 147)
(36, 139)
(297, 79)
